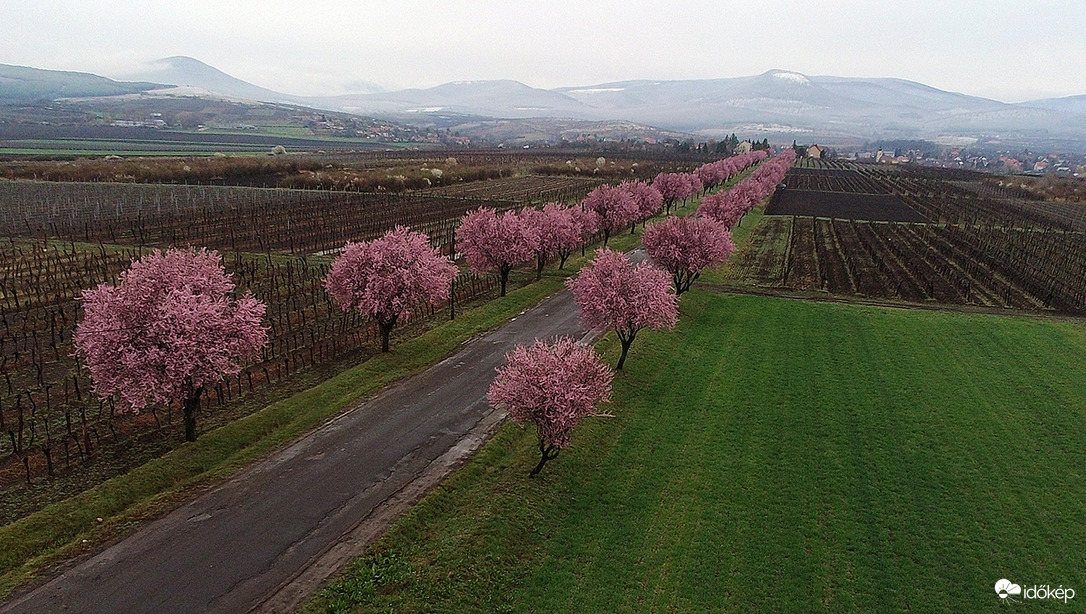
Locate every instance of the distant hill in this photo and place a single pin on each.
(779, 105)
(25, 84)
(1069, 104)
(184, 71)
(500, 98)
(188, 72)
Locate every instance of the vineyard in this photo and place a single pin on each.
(531, 188)
(62, 238)
(918, 235)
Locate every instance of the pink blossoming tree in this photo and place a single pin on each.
(166, 331)
(672, 188)
(587, 223)
(730, 206)
(648, 199)
(614, 206)
(553, 386)
(686, 245)
(556, 232)
(726, 207)
(693, 185)
(490, 241)
(386, 278)
(613, 293)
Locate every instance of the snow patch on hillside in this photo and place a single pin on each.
(795, 77)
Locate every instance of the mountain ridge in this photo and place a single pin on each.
(781, 104)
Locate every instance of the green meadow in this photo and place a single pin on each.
(773, 455)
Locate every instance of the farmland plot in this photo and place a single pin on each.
(939, 242)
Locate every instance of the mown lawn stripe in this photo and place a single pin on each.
(779, 455)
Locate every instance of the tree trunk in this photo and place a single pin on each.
(625, 340)
(540, 262)
(683, 281)
(504, 271)
(190, 406)
(386, 332)
(452, 299)
(544, 456)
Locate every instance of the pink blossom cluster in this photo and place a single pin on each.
(167, 330)
(386, 278)
(611, 292)
(498, 242)
(491, 241)
(728, 207)
(772, 172)
(674, 187)
(687, 245)
(558, 231)
(553, 386)
(714, 173)
(614, 206)
(648, 199)
(623, 205)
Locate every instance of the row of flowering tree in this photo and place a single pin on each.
(674, 187)
(555, 386)
(686, 246)
(492, 241)
(729, 207)
(170, 328)
(498, 242)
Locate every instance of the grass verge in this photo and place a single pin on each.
(772, 455)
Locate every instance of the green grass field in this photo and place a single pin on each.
(773, 455)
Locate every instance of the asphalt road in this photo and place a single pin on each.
(235, 545)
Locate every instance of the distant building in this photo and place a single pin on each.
(743, 148)
(1011, 165)
(814, 151)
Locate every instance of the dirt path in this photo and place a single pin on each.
(265, 539)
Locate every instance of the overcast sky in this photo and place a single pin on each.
(1009, 50)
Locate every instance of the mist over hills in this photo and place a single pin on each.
(779, 105)
(183, 71)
